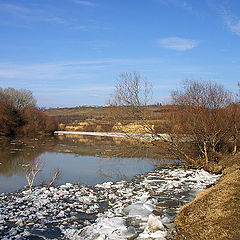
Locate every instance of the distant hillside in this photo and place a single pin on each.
(100, 118)
(66, 115)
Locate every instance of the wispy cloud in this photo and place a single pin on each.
(49, 71)
(94, 95)
(86, 3)
(64, 70)
(81, 27)
(98, 45)
(180, 4)
(232, 22)
(30, 15)
(177, 43)
(186, 6)
(54, 20)
(15, 10)
(91, 26)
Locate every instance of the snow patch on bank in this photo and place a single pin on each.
(145, 136)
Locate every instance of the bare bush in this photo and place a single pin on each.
(32, 172)
(54, 178)
(204, 115)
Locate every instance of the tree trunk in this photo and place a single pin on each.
(205, 152)
(235, 138)
(235, 148)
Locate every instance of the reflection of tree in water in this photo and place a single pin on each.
(135, 148)
(17, 154)
(111, 150)
(84, 145)
(108, 147)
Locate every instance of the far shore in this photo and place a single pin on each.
(146, 136)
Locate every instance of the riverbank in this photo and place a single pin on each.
(143, 136)
(215, 213)
(143, 208)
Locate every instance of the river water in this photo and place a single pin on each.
(80, 159)
(109, 188)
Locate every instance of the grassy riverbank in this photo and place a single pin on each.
(215, 212)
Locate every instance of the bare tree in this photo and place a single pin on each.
(203, 114)
(17, 99)
(233, 112)
(131, 96)
(132, 90)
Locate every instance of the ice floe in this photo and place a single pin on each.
(143, 208)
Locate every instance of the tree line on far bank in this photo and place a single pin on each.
(20, 116)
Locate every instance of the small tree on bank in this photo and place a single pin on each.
(132, 94)
(204, 115)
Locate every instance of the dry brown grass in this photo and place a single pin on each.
(215, 213)
(103, 113)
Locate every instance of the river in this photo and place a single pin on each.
(98, 195)
(80, 159)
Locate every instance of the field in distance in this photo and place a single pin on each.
(99, 119)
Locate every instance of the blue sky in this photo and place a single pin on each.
(70, 52)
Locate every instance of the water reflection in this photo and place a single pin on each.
(15, 154)
(80, 159)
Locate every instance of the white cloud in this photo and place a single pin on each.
(13, 8)
(231, 21)
(178, 44)
(97, 44)
(81, 27)
(60, 74)
(94, 95)
(63, 70)
(90, 27)
(16, 10)
(54, 20)
(180, 4)
(235, 28)
(86, 3)
(30, 14)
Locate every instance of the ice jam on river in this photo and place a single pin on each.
(143, 208)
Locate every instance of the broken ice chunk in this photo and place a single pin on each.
(137, 210)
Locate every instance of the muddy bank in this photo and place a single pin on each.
(143, 208)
